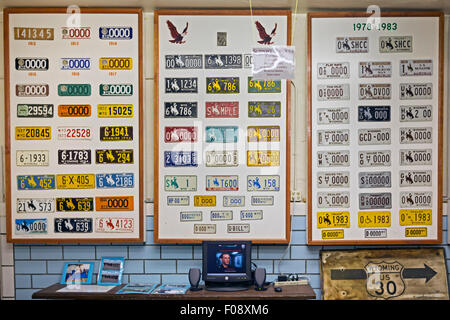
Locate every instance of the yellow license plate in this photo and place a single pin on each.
(114, 63)
(374, 219)
(204, 201)
(265, 158)
(333, 234)
(33, 133)
(75, 181)
(335, 219)
(414, 217)
(415, 232)
(263, 133)
(115, 110)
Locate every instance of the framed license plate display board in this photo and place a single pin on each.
(221, 137)
(73, 105)
(375, 128)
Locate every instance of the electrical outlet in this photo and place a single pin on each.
(296, 196)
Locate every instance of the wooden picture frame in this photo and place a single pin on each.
(137, 215)
(437, 146)
(158, 187)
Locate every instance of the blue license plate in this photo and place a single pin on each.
(73, 225)
(115, 180)
(26, 226)
(374, 113)
(115, 33)
(222, 134)
(75, 63)
(180, 159)
(36, 182)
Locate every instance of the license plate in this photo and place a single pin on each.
(181, 85)
(180, 109)
(31, 64)
(223, 61)
(333, 219)
(375, 91)
(27, 226)
(116, 133)
(115, 33)
(221, 134)
(35, 205)
(394, 44)
(416, 67)
(374, 136)
(75, 63)
(74, 89)
(374, 113)
(191, 216)
(377, 158)
(375, 69)
(416, 135)
(75, 156)
(32, 158)
(352, 44)
(375, 233)
(33, 133)
(333, 199)
(233, 201)
(222, 183)
(416, 113)
(180, 159)
(180, 183)
(262, 200)
(416, 178)
(76, 32)
(119, 225)
(227, 158)
(74, 133)
(333, 158)
(263, 134)
(416, 232)
(177, 200)
(204, 228)
(375, 200)
(74, 110)
(264, 86)
(333, 137)
(35, 111)
(119, 156)
(379, 179)
(374, 219)
(75, 181)
(122, 203)
(115, 63)
(184, 61)
(222, 85)
(114, 180)
(411, 157)
(238, 228)
(251, 215)
(180, 134)
(416, 91)
(264, 109)
(333, 234)
(263, 183)
(74, 204)
(21, 33)
(204, 201)
(226, 109)
(32, 90)
(221, 215)
(73, 225)
(248, 61)
(333, 116)
(416, 199)
(331, 92)
(333, 179)
(340, 70)
(115, 110)
(263, 158)
(116, 89)
(36, 182)
(415, 217)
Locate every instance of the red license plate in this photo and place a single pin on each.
(180, 134)
(228, 109)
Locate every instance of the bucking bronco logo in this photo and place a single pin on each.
(384, 279)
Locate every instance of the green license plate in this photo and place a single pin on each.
(264, 86)
(74, 89)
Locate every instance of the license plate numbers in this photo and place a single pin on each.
(264, 86)
(35, 111)
(375, 91)
(375, 158)
(264, 109)
(374, 113)
(374, 136)
(27, 226)
(125, 203)
(333, 70)
(251, 215)
(228, 158)
(263, 158)
(36, 182)
(262, 200)
(333, 179)
(74, 110)
(74, 89)
(180, 159)
(326, 92)
(180, 183)
(227, 109)
(333, 158)
(415, 217)
(75, 181)
(119, 225)
(416, 135)
(114, 180)
(225, 134)
(333, 199)
(115, 63)
(73, 225)
(333, 219)
(374, 219)
(204, 228)
(375, 69)
(32, 90)
(75, 156)
(75, 63)
(221, 215)
(191, 216)
(34, 205)
(21, 33)
(76, 32)
(32, 158)
(263, 183)
(117, 156)
(394, 44)
(74, 133)
(116, 133)
(115, 110)
(352, 44)
(33, 133)
(416, 199)
(223, 61)
(416, 157)
(416, 67)
(180, 109)
(222, 85)
(177, 200)
(181, 85)
(379, 179)
(333, 137)
(184, 61)
(416, 178)
(204, 201)
(375, 200)
(416, 113)
(333, 115)
(416, 91)
(115, 33)
(233, 201)
(116, 89)
(180, 134)
(31, 64)
(222, 183)
(238, 228)
(74, 204)
(263, 134)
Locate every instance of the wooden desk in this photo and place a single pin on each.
(300, 292)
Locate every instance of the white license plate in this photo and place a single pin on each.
(186, 216)
(177, 200)
(222, 183)
(416, 91)
(333, 199)
(339, 70)
(378, 179)
(221, 215)
(233, 201)
(415, 157)
(333, 179)
(251, 215)
(116, 225)
(377, 158)
(330, 92)
(39, 205)
(263, 183)
(416, 113)
(375, 69)
(394, 44)
(227, 158)
(31, 158)
(416, 135)
(333, 115)
(374, 136)
(204, 228)
(375, 200)
(352, 44)
(238, 228)
(180, 183)
(416, 67)
(416, 199)
(74, 133)
(375, 91)
(333, 137)
(262, 200)
(339, 158)
(416, 178)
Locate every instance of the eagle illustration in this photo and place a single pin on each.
(265, 38)
(177, 37)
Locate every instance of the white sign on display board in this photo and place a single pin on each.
(221, 137)
(375, 123)
(73, 99)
